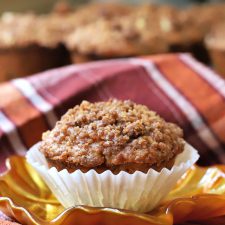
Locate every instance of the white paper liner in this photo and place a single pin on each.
(138, 191)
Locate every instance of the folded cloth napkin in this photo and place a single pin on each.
(179, 88)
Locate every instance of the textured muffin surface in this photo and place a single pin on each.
(115, 135)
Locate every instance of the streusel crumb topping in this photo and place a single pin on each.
(110, 134)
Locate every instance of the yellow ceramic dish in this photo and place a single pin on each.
(198, 196)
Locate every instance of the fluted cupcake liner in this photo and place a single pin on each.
(138, 191)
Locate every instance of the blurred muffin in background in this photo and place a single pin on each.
(64, 19)
(207, 15)
(40, 38)
(196, 22)
(113, 39)
(215, 43)
(137, 33)
(146, 29)
(185, 36)
(26, 46)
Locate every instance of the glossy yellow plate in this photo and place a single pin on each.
(198, 196)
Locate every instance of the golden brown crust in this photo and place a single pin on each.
(117, 135)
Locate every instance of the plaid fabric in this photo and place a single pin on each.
(176, 86)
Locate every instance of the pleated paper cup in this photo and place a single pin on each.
(138, 191)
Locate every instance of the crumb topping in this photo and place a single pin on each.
(110, 134)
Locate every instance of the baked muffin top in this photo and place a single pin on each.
(22, 30)
(112, 38)
(15, 29)
(144, 30)
(112, 135)
(125, 36)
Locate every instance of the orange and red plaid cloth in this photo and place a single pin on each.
(176, 86)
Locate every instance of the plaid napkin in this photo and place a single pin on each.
(176, 86)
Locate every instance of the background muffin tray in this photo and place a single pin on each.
(198, 196)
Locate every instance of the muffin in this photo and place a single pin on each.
(23, 37)
(112, 39)
(129, 35)
(122, 31)
(215, 44)
(66, 20)
(194, 31)
(208, 16)
(99, 154)
(114, 135)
